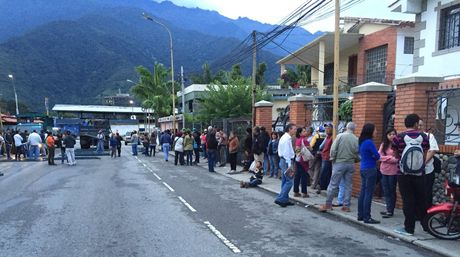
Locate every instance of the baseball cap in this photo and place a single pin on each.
(321, 129)
(328, 125)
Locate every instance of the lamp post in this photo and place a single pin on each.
(15, 95)
(172, 67)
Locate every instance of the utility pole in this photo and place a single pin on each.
(335, 111)
(183, 95)
(254, 67)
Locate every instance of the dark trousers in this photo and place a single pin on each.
(51, 151)
(197, 155)
(368, 180)
(232, 160)
(63, 155)
(414, 202)
(389, 190)
(211, 159)
(19, 150)
(325, 175)
(189, 156)
(179, 156)
(8, 150)
(301, 178)
(119, 150)
(429, 181)
(153, 150)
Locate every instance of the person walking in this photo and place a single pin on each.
(233, 145)
(69, 144)
(153, 144)
(100, 142)
(134, 142)
(165, 142)
(301, 175)
(211, 143)
(326, 164)
(50, 142)
(411, 147)
(34, 142)
(179, 149)
(389, 167)
(344, 154)
(273, 155)
(369, 157)
(119, 139)
(286, 154)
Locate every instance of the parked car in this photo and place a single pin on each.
(127, 138)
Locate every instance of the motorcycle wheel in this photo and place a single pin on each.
(438, 226)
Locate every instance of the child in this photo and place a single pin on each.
(256, 179)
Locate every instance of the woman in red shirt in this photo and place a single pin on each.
(301, 176)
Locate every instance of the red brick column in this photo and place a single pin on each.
(368, 102)
(300, 110)
(264, 115)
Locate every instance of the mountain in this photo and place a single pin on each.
(77, 61)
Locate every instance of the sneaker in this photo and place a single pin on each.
(371, 221)
(297, 194)
(281, 203)
(387, 215)
(290, 203)
(325, 208)
(403, 231)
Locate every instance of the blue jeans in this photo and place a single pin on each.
(341, 195)
(325, 175)
(266, 164)
(134, 147)
(165, 151)
(211, 159)
(100, 146)
(205, 154)
(368, 180)
(34, 151)
(286, 183)
(389, 191)
(274, 164)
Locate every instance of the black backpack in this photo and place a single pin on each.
(318, 143)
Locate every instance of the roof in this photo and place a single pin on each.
(309, 53)
(97, 108)
(358, 22)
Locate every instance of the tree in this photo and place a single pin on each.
(154, 90)
(300, 77)
(260, 74)
(346, 110)
(205, 77)
(304, 75)
(236, 73)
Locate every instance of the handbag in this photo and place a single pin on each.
(305, 153)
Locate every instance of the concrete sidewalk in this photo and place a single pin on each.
(420, 238)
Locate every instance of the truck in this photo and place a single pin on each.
(89, 128)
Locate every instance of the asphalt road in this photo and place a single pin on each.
(147, 207)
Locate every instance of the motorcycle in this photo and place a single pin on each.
(443, 220)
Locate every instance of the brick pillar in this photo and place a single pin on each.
(368, 102)
(411, 97)
(264, 115)
(300, 110)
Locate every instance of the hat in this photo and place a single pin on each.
(321, 129)
(328, 125)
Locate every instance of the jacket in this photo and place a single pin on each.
(179, 144)
(50, 141)
(188, 143)
(233, 144)
(345, 148)
(69, 141)
(389, 164)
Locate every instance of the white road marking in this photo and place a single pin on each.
(158, 177)
(186, 204)
(145, 165)
(222, 237)
(170, 188)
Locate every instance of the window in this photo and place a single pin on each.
(376, 64)
(449, 36)
(329, 74)
(409, 45)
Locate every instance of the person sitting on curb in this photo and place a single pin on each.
(256, 179)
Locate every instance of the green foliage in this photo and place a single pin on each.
(346, 110)
(260, 74)
(236, 73)
(301, 77)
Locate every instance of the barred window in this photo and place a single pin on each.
(449, 28)
(376, 64)
(408, 45)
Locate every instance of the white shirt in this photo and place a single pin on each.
(285, 149)
(179, 145)
(34, 139)
(433, 147)
(17, 140)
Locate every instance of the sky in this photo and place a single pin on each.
(273, 11)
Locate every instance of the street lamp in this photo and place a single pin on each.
(15, 95)
(172, 66)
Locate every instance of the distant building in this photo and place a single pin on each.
(119, 99)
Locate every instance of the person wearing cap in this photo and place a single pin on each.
(100, 142)
(326, 164)
(315, 166)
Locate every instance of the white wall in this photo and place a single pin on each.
(403, 61)
(440, 65)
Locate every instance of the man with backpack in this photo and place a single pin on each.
(411, 146)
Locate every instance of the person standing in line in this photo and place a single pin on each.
(34, 142)
(286, 154)
(60, 145)
(100, 142)
(344, 154)
(179, 149)
(429, 167)
(203, 143)
(266, 139)
(222, 148)
(389, 167)
(369, 157)
(315, 166)
(326, 164)
(301, 175)
(153, 144)
(211, 143)
(273, 155)
(188, 147)
(69, 144)
(165, 142)
(411, 182)
(113, 142)
(233, 145)
(50, 142)
(134, 142)
(196, 146)
(119, 139)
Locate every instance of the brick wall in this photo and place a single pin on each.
(300, 110)
(264, 117)
(383, 37)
